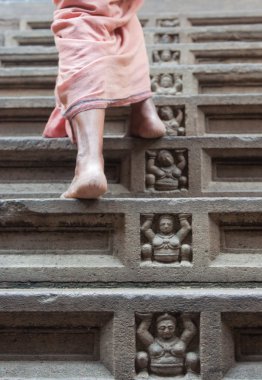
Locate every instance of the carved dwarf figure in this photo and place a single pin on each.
(163, 173)
(165, 56)
(167, 84)
(166, 353)
(166, 38)
(165, 245)
(172, 122)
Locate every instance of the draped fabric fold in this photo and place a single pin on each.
(102, 58)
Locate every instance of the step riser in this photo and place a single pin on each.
(88, 244)
(217, 314)
(31, 121)
(233, 116)
(186, 81)
(228, 165)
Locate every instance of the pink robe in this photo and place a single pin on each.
(102, 58)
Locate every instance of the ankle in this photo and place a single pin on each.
(87, 164)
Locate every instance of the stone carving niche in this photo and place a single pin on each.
(167, 84)
(166, 239)
(241, 348)
(173, 118)
(166, 170)
(166, 38)
(166, 56)
(167, 347)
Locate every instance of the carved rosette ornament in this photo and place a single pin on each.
(167, 347)
(165, 170)
(167, 84)
(173, 118)
(166, 239)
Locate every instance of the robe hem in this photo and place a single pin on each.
(87, 104)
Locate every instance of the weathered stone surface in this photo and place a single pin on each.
(181, 221)
(28, 56)
(117, 256)
(216, 307)
(230, 166)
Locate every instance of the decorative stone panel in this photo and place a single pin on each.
(167, 346)
(166, 170)
(166, 239)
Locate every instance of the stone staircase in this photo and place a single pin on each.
(93, 290)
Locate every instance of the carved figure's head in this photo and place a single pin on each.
(166, 55)
(166, 326)
(166, 38)
(166, 224)
(165, 158)
(166, 81)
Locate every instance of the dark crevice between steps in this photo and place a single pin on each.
(94, 285)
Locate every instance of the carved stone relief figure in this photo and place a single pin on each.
(165, 352)
(167, 84)
(164, 170)
(166, 38)
(166, 56)
(169, 22)
(173, 119)
(164, 241)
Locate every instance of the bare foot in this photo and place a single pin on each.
(145, 122)
(88, 183)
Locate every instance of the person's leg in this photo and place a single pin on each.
(144, 120)
(89, 181)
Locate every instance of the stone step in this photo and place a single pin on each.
(152, 36)
(187, 80)
(230, 166)
(36, 81)
(224, 321)
(105, 240)
(148, 18)
(27, 117)
(204, 53)
(28, 56)
(29, 38)
(207, 34)
(213, 115)
(168, 30)
(159, 55)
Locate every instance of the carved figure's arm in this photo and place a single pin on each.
(155, 83)
(190, 329)
(176, 56)
(151, 166)
(181, 161)
(176, 172)
(178, 84)
(146, 227)
(179, 117)
(156, 56)
(185, 227)
(143, 330)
